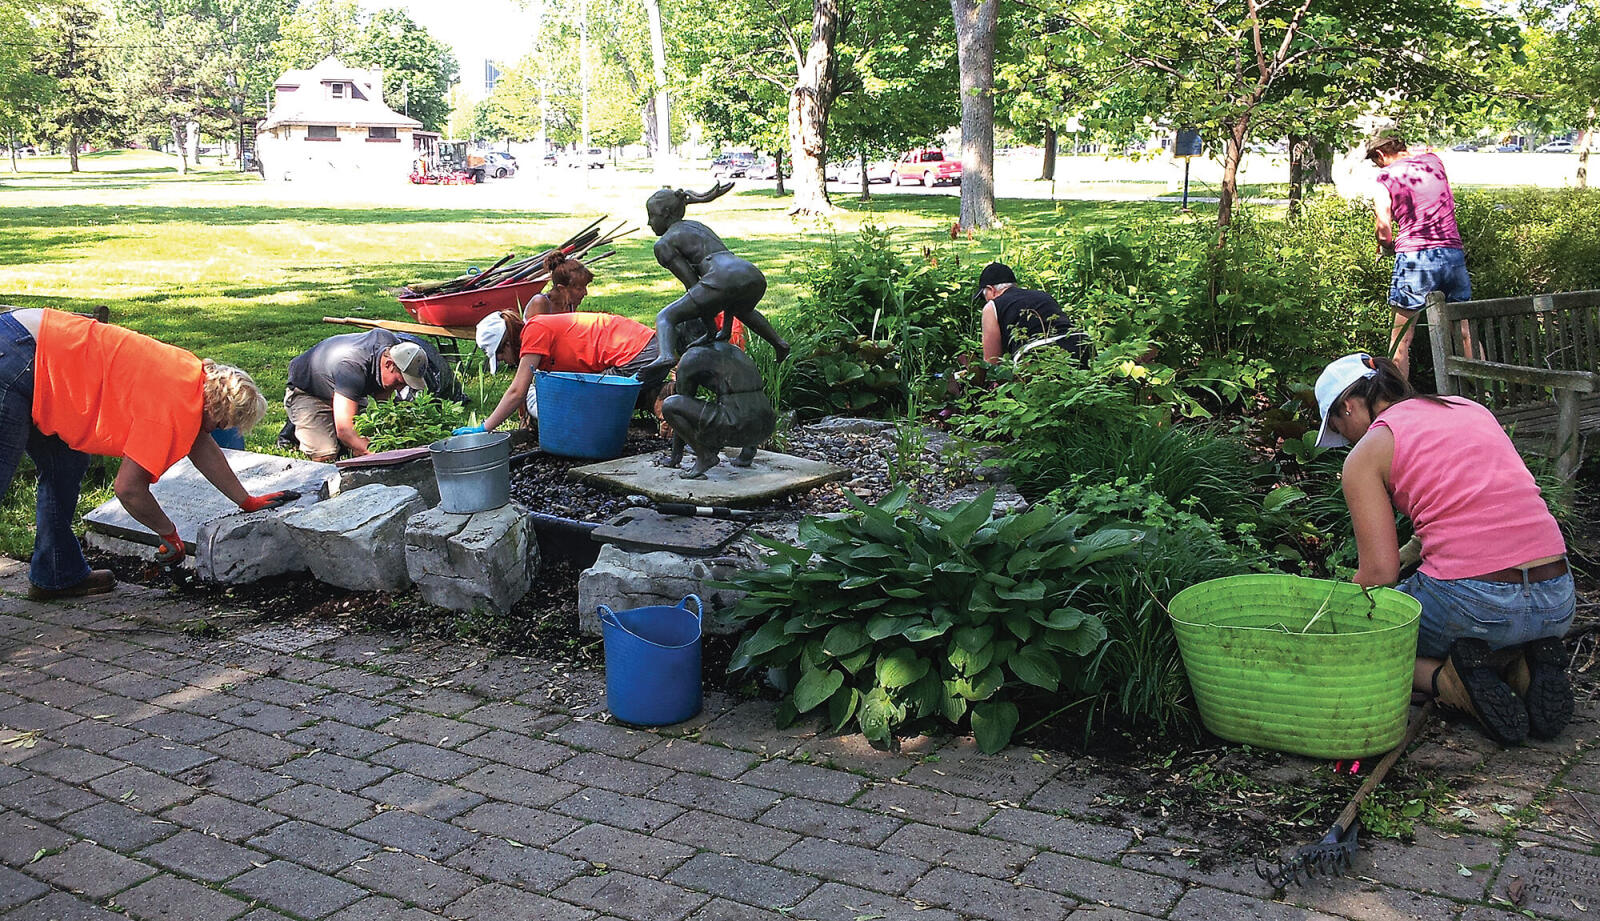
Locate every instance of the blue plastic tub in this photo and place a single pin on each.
(584, 415)
(653, 663)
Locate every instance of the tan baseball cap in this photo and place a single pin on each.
(412, 362)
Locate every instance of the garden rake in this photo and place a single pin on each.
(1333, 854)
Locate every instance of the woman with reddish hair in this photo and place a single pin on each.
(569, 285)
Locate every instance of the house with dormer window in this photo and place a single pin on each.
(330, 122)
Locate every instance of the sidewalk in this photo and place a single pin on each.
(284, 773)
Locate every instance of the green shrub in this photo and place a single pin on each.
(1138, 672)
(390, 424)
(900, 615)
(1530, 241)
(874, 319)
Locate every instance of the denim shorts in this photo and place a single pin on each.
(1500, 613)
(1418, 274)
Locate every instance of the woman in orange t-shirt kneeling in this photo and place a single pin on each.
(585, 342)
(71, 387)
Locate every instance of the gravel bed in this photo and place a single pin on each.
(870, 450)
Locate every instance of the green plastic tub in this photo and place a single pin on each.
(1306, 666)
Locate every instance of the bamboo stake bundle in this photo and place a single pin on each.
(505, 271)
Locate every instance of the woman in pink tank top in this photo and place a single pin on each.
(1493, 579)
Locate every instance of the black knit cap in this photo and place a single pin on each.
(995, 273)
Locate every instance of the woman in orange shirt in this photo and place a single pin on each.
(71, 387)
(586, 342)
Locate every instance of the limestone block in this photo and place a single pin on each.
(357, 539)
(485, 560)
(623, 579)
(246, 547)
(417, 474)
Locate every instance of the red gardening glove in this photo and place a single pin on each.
(171, 552)
(270, 500)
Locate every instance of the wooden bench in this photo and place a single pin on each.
(1535, 361)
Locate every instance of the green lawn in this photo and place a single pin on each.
(215, 262)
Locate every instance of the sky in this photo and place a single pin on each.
(478, 30)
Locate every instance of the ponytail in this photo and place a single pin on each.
(1388, 385)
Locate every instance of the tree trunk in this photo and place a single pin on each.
(861, 158)
(1321, 166)
(658, 58)
(777, 171)
(1299, 150)
(975, 27)
(183, 149)
(1049, 171)
(72, 150)
(11, 145)
(1237, 133)
(1588, 142)
(809, 102)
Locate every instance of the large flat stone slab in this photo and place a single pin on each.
(190, 500)
(770, 476)
(357, 539)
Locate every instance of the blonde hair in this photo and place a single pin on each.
(232, 398)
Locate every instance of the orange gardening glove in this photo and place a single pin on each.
(171, 552)
(270, 500)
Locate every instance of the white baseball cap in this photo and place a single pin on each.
(491, 332)
(1336, 378)
(412, 363)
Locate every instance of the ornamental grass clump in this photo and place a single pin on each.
(899, 616)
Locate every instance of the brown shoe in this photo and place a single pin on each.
(99, 582)
(1468, 683)
(1517, 674)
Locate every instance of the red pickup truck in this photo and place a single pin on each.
(928, 166)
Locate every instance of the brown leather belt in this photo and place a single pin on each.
(1535, 574)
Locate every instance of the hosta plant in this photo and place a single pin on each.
(900, 615)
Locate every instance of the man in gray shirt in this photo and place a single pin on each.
(331, 381)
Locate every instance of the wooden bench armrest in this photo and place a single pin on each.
(1577, 381)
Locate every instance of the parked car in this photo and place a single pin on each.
(928, 166)
(1509, 148)
(733, 165)
(1556, 147)
(592, 158)
(501, 165)
(27, 150)
(765, 168)
(1465, 145)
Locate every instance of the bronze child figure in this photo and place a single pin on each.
(715, 280)
(740, 415)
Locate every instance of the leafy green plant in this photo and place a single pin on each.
(391, 424)
(900, 614)
(846, 374)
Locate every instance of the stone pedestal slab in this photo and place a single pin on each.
(485, 560)
(357, 539)
(770, 476)
(190, 500)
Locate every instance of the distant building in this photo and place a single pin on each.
(330, 122)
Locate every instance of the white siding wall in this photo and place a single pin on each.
(288, 155)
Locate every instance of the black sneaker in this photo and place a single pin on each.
(1549, 696)
(1495, 705)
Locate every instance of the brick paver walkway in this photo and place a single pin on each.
(151, 774)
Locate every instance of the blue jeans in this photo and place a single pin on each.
(1418, 274)
(57, 556)
(1502, 614)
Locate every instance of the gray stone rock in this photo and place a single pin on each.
(416, 473)
(769, 476)
(246, 547)
(190, 500)
(851, 425)
(623, 580)
(357, 539)
(485, 560)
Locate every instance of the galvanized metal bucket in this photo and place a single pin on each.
(473, 471)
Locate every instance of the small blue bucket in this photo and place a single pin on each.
(584, 415)
(653, 662)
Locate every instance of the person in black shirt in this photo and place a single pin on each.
(331, 381)
(1017, 320)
